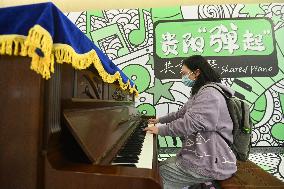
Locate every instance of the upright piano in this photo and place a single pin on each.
(72, 131)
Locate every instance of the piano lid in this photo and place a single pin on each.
(98, 131)
(44, 33)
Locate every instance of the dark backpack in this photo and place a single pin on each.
(242, 124)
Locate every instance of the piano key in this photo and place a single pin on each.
(127, 155)
(146, 156)
(132, 147)
(126, 160)
(125, 164)
(125, 152)
(138, 149)
(118, 158)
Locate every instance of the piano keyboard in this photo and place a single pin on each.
(137, 151)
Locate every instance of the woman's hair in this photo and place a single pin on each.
(207, 74)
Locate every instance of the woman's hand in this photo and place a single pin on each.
(152, 130)
(153, 121)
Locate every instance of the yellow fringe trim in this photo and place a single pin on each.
(39, 39)
(12, 45)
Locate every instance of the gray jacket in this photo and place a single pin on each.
(203, 150)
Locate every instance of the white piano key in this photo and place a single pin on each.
(146, 156)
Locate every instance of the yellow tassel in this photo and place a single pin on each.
(16, 49)
(3, 47)
(39, 39)
(65, 53)
(11, 44)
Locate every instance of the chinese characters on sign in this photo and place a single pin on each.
(241, 47)
(221, 38)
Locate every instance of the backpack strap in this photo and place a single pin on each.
(215, 86)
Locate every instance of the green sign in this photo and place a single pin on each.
(237, 47)
(234, 37)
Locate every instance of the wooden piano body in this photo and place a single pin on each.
(64, 132)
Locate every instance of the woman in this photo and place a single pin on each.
(204, 155)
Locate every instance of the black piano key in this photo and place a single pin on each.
(137, 140)
(137, 151)
(125, 160)
(133, 144)
(131, 150)
(126, 164)
(127, 152)
(128, 155)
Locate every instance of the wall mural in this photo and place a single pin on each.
(245, 43)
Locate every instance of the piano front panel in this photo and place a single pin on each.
(21, 124)
(63, 172)
(43, 152)
(89, 85)
(67, 165)
(74, 176)
(97, 131)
